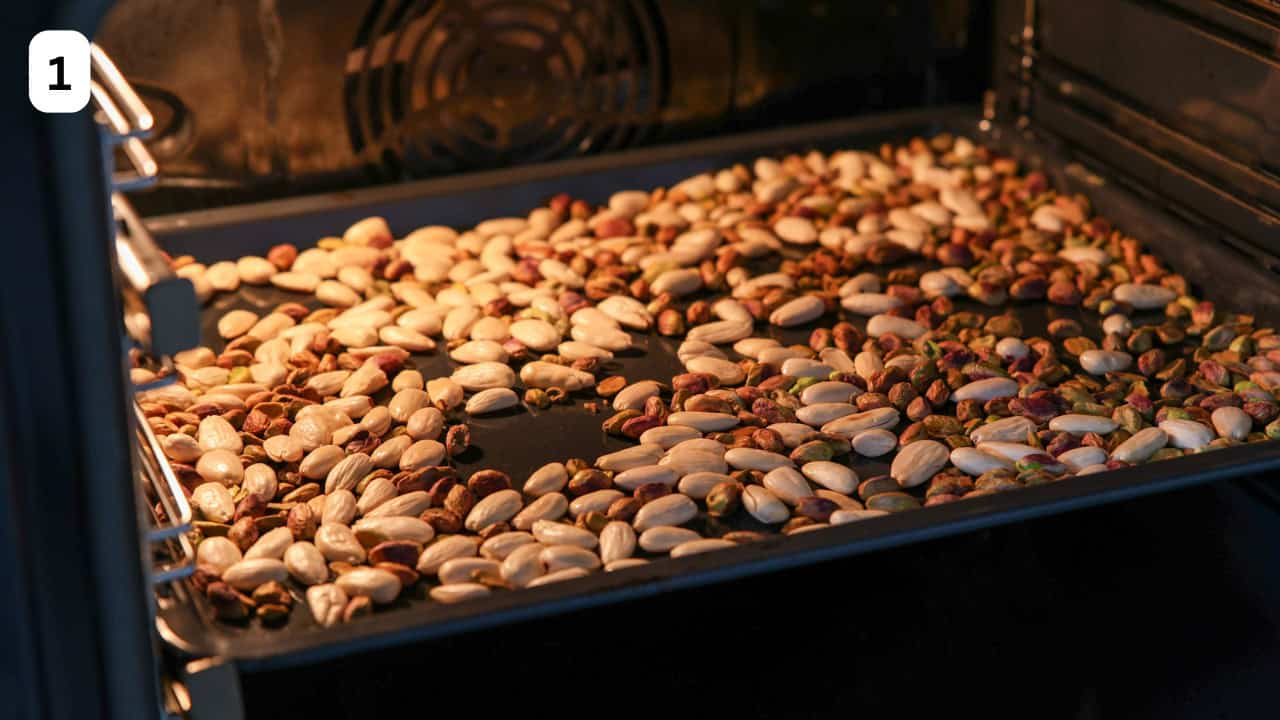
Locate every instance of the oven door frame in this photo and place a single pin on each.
(74, 602)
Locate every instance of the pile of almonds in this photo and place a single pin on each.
(322, 464)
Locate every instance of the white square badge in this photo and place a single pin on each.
(58, 71)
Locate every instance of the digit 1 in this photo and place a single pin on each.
(61, 83)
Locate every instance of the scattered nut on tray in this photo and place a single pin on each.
(317, 457)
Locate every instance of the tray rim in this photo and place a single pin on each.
(256, 650)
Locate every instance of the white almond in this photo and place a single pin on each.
(1117, 324)
(236, 323)
(869, 304)
(535, 334)
(458, 592)
(217, 553)
(916, 463)
(539, 374)
(223, 276)
(704, 421)
(483, 376)
(674, 509)
(425, 424)
(1009, 430)
(598, 501)
(283, 448)
(373, 530)
(697, 484)
(668, 436)
(1079, 458)
(866, 364)
(213, 501)
(851, 425)
(884, 324)
(549, 532)
(721, 332)
(1143, 297)
(348, 472)
(380, 586)
(700, 445)
(406, 338)
(523, 565)
(247, 575)
(630, 458)
(444, 549)
(423, 453)
(763, 505)
(215, 433)
(1011, 451)
(492, 400)
(336, 294)
(635, 477)
(677, 282)
(270, 544)
(802, 367)
(571, 573)
(728, 373)
(575, 350)
(296, 281)
(696, 547)
(617, 541)
(338, 544)
(829, 391)
(819, 414)
(1232, 422)
(551, 506)
(479, 351)
(831, 475)
(1098, 362)
(1079, 424)
(306, 563)
(874, 442)
(376, 492)
(751, 347)
(496, 507)
(627, 311)
(787, 484)
(562, 557)
(1085, 253)
(550, 478)
(986, 389)
(457, 323)
(796, 230)
(973, 461)
(634, 396)
(339, 507)
(755, 459)
(1186, 434)
(1141, 446)
(799, 311)
(467, 569)
(690, 349)
(866, 282)
(662, 538)
(841, 517)
(326, 603)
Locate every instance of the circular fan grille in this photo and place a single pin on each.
(445, 85)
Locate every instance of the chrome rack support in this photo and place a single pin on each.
(160, 308)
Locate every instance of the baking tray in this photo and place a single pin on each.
(514, 444)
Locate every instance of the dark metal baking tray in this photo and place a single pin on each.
(515, 444)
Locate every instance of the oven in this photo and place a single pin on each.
(262, 130)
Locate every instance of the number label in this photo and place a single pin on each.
(58, 71)
(60, 84)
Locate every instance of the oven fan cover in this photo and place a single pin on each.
(437, 86)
